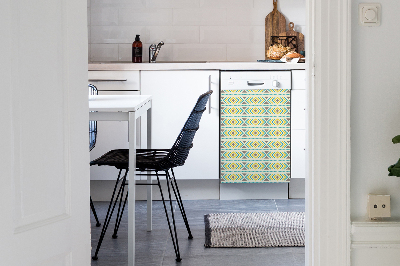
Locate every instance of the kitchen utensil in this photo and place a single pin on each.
(275, 23)
(292, 32)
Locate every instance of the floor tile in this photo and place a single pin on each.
(155, 248)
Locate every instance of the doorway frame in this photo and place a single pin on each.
(328, 223)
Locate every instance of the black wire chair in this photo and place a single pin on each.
(92, 143)
(154, 160)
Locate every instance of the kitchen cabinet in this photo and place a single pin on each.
(112, 134)
(298, 124)
(174, 96)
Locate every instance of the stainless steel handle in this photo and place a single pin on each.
(254, 83)
(209, 99)
(100, 80)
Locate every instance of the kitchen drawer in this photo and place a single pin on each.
(298, 109)
(115, 80)
(298, 79)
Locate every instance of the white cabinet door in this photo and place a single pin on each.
(298, 79)
(298, 124)
(298, 109)
(112, 134)
(174, 96)
(298, 153)
(44, 190)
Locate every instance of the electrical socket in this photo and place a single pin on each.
(378, 206)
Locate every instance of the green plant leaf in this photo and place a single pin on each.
(396, 139)
(394, 170)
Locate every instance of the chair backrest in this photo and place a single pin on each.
(92, 124)
(180, 150)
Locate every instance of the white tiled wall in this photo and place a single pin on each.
(192, 30)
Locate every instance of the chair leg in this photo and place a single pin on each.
(120, 211)
(174, 239)
(174, 185)
(109, 212)
(94, 213)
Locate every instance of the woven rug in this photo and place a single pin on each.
(273, 229)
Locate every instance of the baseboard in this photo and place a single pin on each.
(101, 190)
(237, 191)
(297, 188)
(375, 243)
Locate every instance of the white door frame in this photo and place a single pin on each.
(328, 154)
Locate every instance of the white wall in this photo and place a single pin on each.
(193, 30)
(375, 120)
(375, 108)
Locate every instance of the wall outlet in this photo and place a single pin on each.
(378, 206)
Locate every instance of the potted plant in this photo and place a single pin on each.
(394, 170)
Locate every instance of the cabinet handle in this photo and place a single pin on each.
(254, 83)
(99, 80)
(209, 99)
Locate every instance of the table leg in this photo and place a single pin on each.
(132, 190)
(149, 178)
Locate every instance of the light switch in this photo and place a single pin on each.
(369, 14)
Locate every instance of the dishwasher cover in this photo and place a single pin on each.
(255, 136)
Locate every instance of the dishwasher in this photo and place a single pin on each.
(255, 127)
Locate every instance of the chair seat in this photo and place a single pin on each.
(146, 159)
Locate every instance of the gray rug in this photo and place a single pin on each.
(271, 229)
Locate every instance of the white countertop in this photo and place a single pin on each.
(196, 66)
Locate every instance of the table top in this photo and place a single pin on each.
(117, 103)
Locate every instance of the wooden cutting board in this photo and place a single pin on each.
(275, 23)
(292, 32)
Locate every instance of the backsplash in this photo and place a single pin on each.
(192, 30)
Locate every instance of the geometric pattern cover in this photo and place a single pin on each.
(255, 136)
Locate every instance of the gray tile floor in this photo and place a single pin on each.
(155, 248)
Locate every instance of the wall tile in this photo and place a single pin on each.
(89, 52)
(125, 52)
(293, 10)
(201, 16)
(199, 52)
(104, 52)
(88, 16)
(145, 17)
(246, 17)
(172, 3)
(105, 16)
(258, 35)
(239, 4)
(226, 3)
(245, 52)
(214, 3)
(115, 34)
(224, 34)
(119, 3)
(173, 34)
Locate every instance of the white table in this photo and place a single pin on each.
(127, 108)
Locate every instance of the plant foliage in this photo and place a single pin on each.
(394, 169)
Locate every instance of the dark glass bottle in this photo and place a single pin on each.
(137, 50)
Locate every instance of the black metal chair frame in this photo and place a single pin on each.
(154, 160)
(92, 143)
